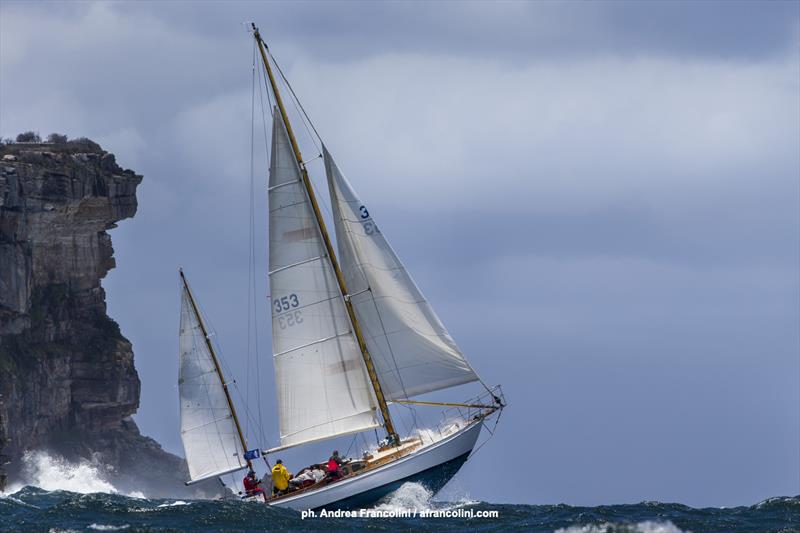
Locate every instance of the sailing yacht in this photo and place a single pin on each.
(351, 334)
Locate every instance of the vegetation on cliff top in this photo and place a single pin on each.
(56, 142)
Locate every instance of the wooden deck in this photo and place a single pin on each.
(375, 460)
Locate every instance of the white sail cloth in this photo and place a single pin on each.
(321, 380)
(412, 351)
(210, 440)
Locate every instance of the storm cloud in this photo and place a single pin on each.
(601, 200)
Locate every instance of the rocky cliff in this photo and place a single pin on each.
(67, 379)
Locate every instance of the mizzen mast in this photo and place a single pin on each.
(217, 366)
(373, 376)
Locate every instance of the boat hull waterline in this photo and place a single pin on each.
(432, 465)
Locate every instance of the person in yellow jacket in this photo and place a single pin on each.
(280, 478)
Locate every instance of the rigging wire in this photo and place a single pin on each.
(261, 89)
(297, 100)
(226, 369)
(253, 349)
(252, 289)
(250, 238)
(303, 118)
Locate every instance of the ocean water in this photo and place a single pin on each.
(33, 509)
(91, 504)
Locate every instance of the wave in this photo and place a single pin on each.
(647, 526)
(51, 473)
(414, 497)
(35, 509)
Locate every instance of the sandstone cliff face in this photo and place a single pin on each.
(67, 379)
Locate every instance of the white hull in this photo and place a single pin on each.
(433, 464)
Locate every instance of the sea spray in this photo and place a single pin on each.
(49, 472)
(409, 497)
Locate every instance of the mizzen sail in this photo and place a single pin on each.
(208, 430)
(412, 350)
(322, 383)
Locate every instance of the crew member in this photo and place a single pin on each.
(280, 478)
(333, 467)
(251, 485)
(312, 474)
(336, 457)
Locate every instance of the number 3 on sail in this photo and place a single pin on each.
(285, 303)
(351, 335)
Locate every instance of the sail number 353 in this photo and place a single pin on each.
(284, 304)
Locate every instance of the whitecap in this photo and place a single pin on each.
(590, 528)
(409, 497)
(173, 504)
(104, 527)
(648, 526)
(50, 473)
(415, 497)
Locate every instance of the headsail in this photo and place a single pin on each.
(412, 350)
(322, 384)
(210, 439)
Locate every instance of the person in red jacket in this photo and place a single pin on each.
(251, 485)
(333, 467)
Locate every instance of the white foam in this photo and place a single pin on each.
(159, 507)
(104, 527)
(409, 497)
(591, 528)
(430, 435)
(412, 497)
(47, 472)
(658, 527)
(173, 504)
(648, 526)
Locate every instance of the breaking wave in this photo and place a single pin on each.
(51, 473)
(412, 497)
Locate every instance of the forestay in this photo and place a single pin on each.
(322, 384)
(412, 350)
(210, 440)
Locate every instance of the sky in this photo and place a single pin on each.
(600, 199)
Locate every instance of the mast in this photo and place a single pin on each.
(217, 366)
(373, 375)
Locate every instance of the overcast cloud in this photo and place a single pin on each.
(600, 199)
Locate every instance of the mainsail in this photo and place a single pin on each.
(412, 350)
(208, 430)
(322, 384)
